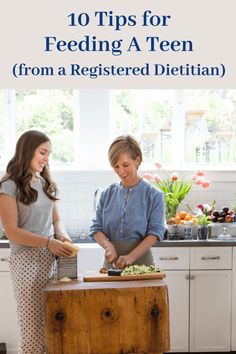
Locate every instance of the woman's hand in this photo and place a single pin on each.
(110, 253)
(124, 261)
(58, 248)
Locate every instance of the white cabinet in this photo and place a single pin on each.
(210, 310)
(233, 330)
(210, 299)
(199, 283)
(8, 327)
(175, 262)
(178, 290)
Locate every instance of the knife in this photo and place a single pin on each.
(114, 271)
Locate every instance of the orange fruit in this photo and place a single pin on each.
(188, 217)
(182, 222)
(177, 219)
(182, 214)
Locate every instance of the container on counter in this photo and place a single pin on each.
(188, 231)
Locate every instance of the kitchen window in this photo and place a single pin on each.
(180, 128)
(183, 129)
(51, 111)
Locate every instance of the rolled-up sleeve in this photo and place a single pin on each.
(157, 222)
(97, 222)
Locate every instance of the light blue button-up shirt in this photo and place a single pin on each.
(125, 214)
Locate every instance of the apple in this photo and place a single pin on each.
(228, 218)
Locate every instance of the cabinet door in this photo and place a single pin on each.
(8, 327)
(233, 331)
(210, 310)
(178, 290)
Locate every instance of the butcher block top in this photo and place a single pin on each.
(56, 285)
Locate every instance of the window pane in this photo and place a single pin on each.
(50, 111)
(210, 134)
(146, 114)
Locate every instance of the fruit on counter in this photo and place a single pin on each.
(182, 218)
(228, 218)
(75, 249)
(216, 213)
(223, 215)
(225, 209)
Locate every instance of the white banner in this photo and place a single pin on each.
(117, 44)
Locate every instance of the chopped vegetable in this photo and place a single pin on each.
(140, 269)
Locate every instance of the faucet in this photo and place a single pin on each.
(96, 197)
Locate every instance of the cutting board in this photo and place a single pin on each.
(96, 276)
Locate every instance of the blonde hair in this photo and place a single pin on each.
(124, 144)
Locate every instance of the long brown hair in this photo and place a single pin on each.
(18, 168)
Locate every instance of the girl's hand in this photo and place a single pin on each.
(58, 248)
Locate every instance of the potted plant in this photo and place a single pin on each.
(175, 188)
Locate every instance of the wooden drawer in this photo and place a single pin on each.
(171, 258)
(211, 258)
(4, 254)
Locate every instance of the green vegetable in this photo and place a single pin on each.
(140, 269)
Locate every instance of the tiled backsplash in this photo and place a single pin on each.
(77, 191)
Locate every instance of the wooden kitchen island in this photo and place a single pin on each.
(117, 317)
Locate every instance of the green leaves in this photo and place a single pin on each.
(175, 192)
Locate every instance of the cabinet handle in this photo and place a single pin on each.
(211, 258)
(192, 277)
(168, 258)
(4, 259)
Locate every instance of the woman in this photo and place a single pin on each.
(30, 219)
(130, 215)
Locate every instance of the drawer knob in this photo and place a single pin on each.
(155, 312)
(59, 316)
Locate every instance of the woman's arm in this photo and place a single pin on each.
(104, 242)
(60, 231)
(9, 217)
(137, 252)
